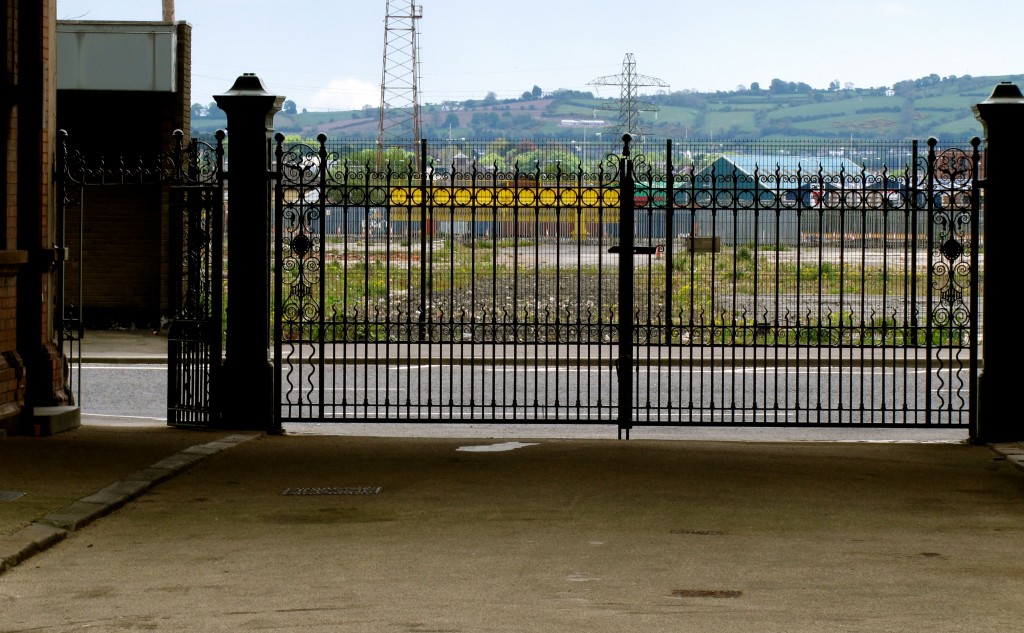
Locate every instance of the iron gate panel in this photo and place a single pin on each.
(778, 293)
(193, 175)
(195, 332)
(892, 340)
(418, 317)
(70, 183)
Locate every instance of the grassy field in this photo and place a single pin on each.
(742, 295)
(930, 106)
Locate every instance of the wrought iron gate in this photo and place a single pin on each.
(195, 334)
(193, 175)
(698, 286)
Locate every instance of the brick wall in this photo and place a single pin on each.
(30, 363)
(123, 253)
(10, 396)
(119, 257)
(12, 369)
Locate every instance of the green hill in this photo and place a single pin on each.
(918, 108)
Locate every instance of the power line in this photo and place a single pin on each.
(629, 107)
(399, 86)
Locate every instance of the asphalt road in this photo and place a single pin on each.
(136, 394)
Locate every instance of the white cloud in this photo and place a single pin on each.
(343, 94)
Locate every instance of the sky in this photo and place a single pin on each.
(329, 54)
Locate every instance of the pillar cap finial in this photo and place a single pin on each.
(247, 84)
(1004, 92)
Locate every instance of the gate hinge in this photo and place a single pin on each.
(46, 259)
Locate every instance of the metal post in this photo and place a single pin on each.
(1002, 116)
(248, 378)
(626, 242)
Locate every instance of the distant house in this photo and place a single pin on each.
(790, 178)
(766, 192)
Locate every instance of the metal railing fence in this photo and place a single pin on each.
(769, 284)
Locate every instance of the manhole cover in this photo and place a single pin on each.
(328, 490)
(10, 495)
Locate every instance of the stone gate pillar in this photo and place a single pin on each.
(247, 385)
(1002, 116)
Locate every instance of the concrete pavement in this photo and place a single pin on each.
(114, 528)
(336, 533)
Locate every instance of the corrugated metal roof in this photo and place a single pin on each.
(785, 164)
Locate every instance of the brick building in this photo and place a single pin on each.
(32, 391)
(110, 253)
(123, 88)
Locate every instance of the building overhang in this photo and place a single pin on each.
(119, 56)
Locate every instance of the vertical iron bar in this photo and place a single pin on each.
(63, 324)
(910, 312)
(495, 338)
(884, 336)
(842, 304)
(730, 337)
(278, 271)
(973, 345)
(321, 336)
(798, 364)
(929, 308)
(691, 225)
(535, 326)
(669, 245)
(216, 334)
(423, 264)
(425, 191)
(451, 321)
(626, 242)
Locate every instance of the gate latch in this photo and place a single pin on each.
(637, 250)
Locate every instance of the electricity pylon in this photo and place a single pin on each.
(399, 86)
(629, 107)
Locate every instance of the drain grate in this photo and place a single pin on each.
(330, 490)
(698, 532)
(706, 593)
(10, 495)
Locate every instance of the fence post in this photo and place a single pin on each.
(1002, 117)
(248, 375)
